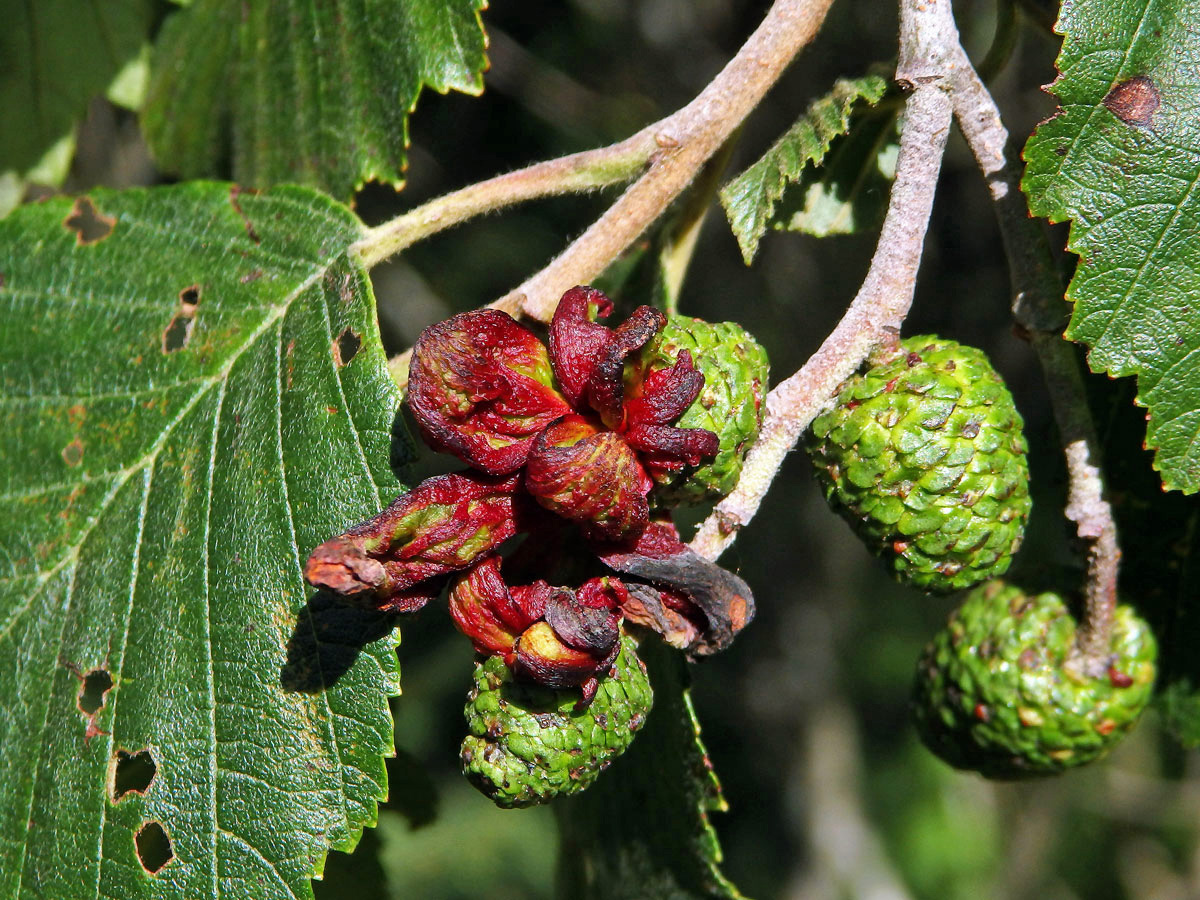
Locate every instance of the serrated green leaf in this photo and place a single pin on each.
(849, 193)
(750, 199)
(316, 94)
(642, 829)
(1121, 160)
(180, 425)
(55, 55)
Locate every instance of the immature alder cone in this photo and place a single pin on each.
(996, 690)
(528, 743)
(730, 404)
(924, 456)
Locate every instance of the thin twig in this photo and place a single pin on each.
(683, 231)
(1040, 308)
(886, 294)
(687, 138)
(577, 173)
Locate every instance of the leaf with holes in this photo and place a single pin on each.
(643, 829)
(192, 396)
(1121, 160)
(311, 93)
(750, 200)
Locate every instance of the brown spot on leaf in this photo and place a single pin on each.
(236, 191)
(130, 773)
(332, 410)
(153, 847)
(72, 454)
(252, 275)
(89, 224)
(345, 347)
(1134, 101)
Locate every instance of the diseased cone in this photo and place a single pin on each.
(994, 690)
(735, 370)
(924, 456)
(528, 743)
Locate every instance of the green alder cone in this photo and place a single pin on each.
(528, 744)
(735, 369)
(924, 456)
(994, 692)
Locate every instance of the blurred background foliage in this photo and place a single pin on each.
(805, 717)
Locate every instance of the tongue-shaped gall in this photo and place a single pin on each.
(481, 387)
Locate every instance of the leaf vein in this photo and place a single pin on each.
(294, 544)
(135, 564)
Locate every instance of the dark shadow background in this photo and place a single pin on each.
(805, 717)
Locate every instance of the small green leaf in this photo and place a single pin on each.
(179, 429)
(316, 94)
(750, 199)
(642, 829)
(55, 55)
(849, 193)
(1121, 160)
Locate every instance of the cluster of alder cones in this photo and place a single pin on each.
(924, 455)
(586, 446)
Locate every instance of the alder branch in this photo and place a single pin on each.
(687, 138)
(671, 151)
(879, 308)
(1039, 307)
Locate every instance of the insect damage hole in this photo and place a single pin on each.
(131, 773)
(153, 847)
(189, 299)
(89, 224)
(179, 330)
(92, 693)
(346, 347)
